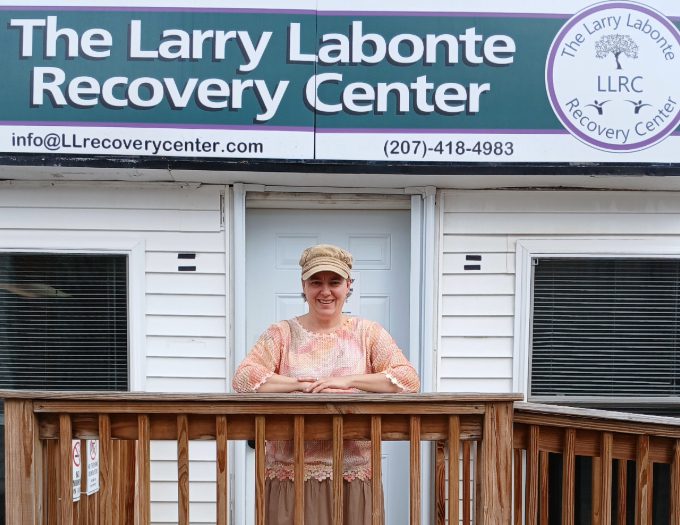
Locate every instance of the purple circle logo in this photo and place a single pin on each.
(613, 76)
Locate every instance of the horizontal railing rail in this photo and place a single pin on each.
(578, 465)
(40, 426)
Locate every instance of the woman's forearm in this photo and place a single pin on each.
(378, 383)
(278, 384)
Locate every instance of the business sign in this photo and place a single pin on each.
(563, 81)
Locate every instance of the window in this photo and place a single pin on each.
(605, 327)
(63, 323)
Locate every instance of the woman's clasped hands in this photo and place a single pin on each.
(314, 385)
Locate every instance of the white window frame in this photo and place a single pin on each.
(135, 251)
(600, 247)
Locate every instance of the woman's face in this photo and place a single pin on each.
(326, 293)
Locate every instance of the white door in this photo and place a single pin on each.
(379, 240)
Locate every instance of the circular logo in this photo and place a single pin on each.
(613, 76)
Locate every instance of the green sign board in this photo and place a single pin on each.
(577, 82)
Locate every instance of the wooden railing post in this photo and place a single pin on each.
(105, 472)
(260, 508)
(222, 472)
(415, 492)
(643, 500)
(376, 464)
(454, 468)
(675, 484)
(183, 469)
(496, 471)
(23, 464)
(568, 476)
(65, 476)
(143, 478)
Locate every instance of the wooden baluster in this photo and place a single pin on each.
(440, 482)
(643, 500)
(415, 469)
(518, 486)
(92, 509)
(259, 470)
(568, 472)
(596, 488)
(376, 459)
(495, 499)
(606, 452)
(299, 453)
(338, 467)
(675, 484)
(51, 492)
(143, 482)
(544, 488)
(478, 462)
(622, 475)
(532, 476)
(466, 483)
(66, 470)
(130, 475)
(116, 500)
(23, 463)
(183, 469)
(76, 510)
(82, 507)
(105, 472)
(222, 471)
(454, 468)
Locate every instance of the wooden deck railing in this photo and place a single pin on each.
(576, 465)
(39, 428)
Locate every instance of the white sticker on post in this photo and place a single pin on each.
(92, 456)
(76, 462)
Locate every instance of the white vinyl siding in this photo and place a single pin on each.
(477, 307)
(202, 482)
(185, 340)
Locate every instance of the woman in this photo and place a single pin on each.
(323, 351)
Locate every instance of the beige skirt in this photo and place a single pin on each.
(280, 502)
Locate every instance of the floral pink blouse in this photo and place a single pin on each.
(358, 346)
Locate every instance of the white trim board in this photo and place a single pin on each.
(424, 246)
(527, 249)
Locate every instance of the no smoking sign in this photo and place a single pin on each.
(76, 468)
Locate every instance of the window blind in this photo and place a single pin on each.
(63, 321)
(605, 327)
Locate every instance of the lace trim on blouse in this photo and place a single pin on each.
(282, 471)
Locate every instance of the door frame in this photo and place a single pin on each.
(421, 202)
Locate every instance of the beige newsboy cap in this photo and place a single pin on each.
(325, 258)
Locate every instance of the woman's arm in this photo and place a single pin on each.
(378, 383)
(262, 362)
(279, 384)
(389, 361)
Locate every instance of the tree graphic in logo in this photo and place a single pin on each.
(616, 45)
